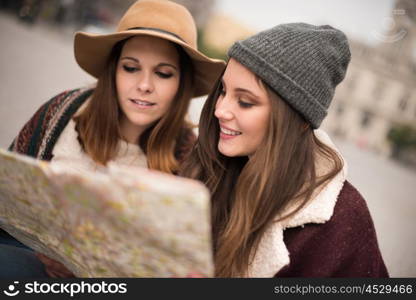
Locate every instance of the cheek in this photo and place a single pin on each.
(259, 129)
(263, 126)
(168, 90)
(120, 84)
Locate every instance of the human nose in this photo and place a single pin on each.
(223, 109)
(145, 83)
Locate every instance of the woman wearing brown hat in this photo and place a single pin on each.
(281, 205)
(147, 72)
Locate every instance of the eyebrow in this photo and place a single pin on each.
(162, 64)
(241, 90)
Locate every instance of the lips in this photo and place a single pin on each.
(229, 131)
(142, 102)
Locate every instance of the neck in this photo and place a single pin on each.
(129, 132)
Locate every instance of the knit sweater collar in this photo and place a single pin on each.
(272, 254)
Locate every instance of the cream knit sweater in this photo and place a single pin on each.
(69, 154)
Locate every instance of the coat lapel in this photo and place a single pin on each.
(272, 253)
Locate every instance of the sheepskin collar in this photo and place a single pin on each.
(272, 253)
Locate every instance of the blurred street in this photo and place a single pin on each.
(390, 191)
(37, 62)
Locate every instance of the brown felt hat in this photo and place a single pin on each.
(158, 18)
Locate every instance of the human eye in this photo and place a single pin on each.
(164, 75)
(244, 104)
(130, 69)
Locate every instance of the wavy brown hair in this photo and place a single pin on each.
(98, 124)
(249, 194)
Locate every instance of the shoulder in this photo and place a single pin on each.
(66, 99)
(350, 219)
(351, 209)
(55, 103)
(344, 246)
(47, 123)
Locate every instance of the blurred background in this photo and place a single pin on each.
(372, 119)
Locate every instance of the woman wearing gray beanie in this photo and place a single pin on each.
(281, 204)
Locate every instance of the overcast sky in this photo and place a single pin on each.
(359, 19)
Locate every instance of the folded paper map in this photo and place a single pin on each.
(122, 222)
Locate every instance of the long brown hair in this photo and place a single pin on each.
(249, 194)
(98, 124)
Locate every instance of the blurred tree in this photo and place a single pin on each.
(202, 10)
(208, 50)
(29, 10)
(403, 139)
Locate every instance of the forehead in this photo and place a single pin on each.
(149, 45)
(237, 75)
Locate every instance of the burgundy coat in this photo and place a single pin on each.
(333, 235)
(344, 246)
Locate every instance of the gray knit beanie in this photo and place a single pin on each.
(303, 63)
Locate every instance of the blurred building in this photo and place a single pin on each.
(99, 13)
(379, 90)
(201, 10)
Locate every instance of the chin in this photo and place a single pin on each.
(141, 122)
(227, 152)
(233, 153)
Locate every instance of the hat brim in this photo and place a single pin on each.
(92, 51)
